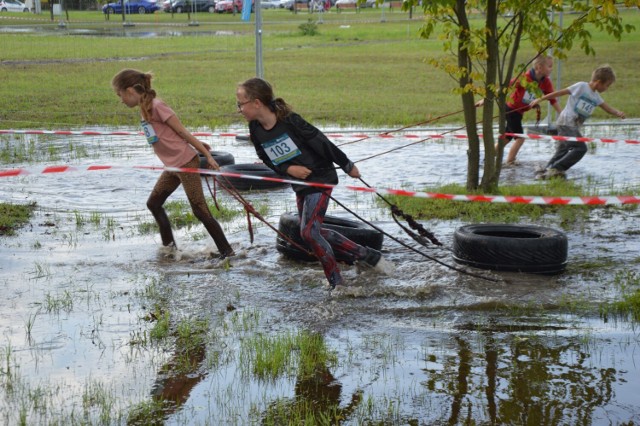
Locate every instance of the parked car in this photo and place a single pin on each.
(12, 6)
(131, 6)
(179, 6)
(228, 6)
(270, 4)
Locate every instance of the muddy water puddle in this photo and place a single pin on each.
(426, 345)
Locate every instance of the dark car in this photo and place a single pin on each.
(179, 6)
(131, 6)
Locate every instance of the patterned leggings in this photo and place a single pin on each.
(167, 183)
(325, 242)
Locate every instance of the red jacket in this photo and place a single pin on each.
(520, 98)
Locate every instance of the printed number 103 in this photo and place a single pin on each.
(280, 149)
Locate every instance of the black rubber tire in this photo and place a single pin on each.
(357, 232)
(255, 169)
(222, 158)
(511, 248)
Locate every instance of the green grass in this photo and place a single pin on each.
(13, 216)
(356, 71)
(474, 212)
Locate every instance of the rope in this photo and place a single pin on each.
(462, 271)
(406, 127)
(396, 211)
(250, 210)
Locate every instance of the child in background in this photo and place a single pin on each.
(521, 99)
(289, 145)
(583, 99)
(174, 145)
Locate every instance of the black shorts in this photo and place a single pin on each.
(514, 122)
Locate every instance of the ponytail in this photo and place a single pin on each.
(141, 83)
(257, 88)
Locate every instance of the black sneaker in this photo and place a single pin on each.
(225, 255)
(372, 258)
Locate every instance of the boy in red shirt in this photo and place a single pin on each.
(535, 80)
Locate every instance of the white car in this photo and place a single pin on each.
(269, 4)
(12, 6)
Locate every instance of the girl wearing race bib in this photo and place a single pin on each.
(292, 147)
(175, 146)
(583, 99)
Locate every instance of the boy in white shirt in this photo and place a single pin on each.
(583, 99)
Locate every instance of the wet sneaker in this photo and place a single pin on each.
(375, 261)
(540, 174)
(225, 255)
(372, 258)
(555, 174)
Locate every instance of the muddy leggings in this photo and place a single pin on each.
(167, 183)
(325, 242)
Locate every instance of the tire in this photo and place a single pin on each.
(222, 158)
(255, 169)
(179, 9)
(211, 9)
(110, 11)
(142, 10)
(511, 248)
(357, 232)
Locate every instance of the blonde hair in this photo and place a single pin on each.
(604, 74)
(141, 83)
(541, 59)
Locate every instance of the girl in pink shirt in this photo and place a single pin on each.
(174, 145)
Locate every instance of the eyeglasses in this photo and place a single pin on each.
(241, 104)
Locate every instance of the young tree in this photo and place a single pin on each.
(483, 55)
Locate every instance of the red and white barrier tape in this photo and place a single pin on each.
(197, 134)
(94, 133)
(331, 135)
(520, 199)
(571, 139)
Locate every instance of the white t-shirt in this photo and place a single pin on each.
(581, 104)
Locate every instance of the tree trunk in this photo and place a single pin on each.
(468, 104)
(491, 172)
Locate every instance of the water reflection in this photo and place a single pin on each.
(455, 366)
(139, 31)
(526, 380)
(317, 399)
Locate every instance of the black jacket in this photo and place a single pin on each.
(317, 152)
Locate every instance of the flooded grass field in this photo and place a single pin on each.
(102, 325)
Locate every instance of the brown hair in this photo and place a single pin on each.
(141, 83)
(257, 88)
(604, 73)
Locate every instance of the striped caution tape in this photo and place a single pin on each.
(95, 133)
(571, 138)
(211, 134)
(333, 135)
(521, 199)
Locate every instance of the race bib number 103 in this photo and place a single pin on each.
(281, 149)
